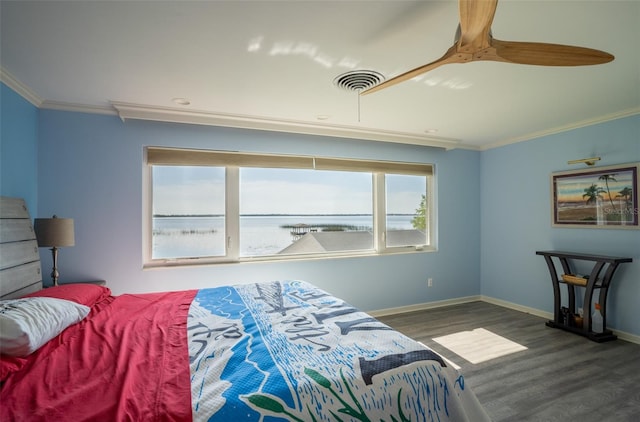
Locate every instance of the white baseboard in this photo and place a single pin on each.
(423, 306)
(622, 335)
(516, 307)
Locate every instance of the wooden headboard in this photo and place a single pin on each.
(20, 271)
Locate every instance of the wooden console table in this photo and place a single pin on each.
(595, 281)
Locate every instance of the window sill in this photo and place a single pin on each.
(190, 262)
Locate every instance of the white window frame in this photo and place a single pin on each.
(378, 169)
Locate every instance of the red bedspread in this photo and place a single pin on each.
(138, 371)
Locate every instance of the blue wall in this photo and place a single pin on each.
(493, 209)
(98, 182)
(18, 147)
(516, 218)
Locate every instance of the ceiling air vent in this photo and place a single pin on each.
(358, 80)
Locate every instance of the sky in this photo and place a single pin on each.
(572, 189)
(200, 190)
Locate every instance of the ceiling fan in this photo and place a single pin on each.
(474, 42)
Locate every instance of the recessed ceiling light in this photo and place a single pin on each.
(181, 101)
(430, 130)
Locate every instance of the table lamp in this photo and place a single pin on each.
(54, 232)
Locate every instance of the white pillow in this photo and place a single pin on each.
(28, 323)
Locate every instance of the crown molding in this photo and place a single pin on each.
(144, 112)
(164, 114)
(20, 88)
(79, 108)
(559, 129)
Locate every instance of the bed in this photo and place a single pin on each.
(271, 351)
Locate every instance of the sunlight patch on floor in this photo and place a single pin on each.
(479, 345)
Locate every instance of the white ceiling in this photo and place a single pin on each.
(271, 65)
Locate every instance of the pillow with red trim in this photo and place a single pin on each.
(27, 324)
(83, 293)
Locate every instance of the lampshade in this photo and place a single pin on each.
(54, 231)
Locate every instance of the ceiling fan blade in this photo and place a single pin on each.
(476, 17)
(450, 56)
(543, 54)
(476, 43)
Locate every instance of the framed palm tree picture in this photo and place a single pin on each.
(602, 197)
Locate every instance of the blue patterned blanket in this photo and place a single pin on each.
(290, 351)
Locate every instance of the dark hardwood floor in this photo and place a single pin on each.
(560, 377)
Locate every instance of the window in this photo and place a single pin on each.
(213, 206)
(188, 212)
(278, 207)
(402, 193)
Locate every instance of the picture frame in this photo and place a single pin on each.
(597, 197)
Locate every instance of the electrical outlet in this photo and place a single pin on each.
(429, 282)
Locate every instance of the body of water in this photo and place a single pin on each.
(182, 237)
